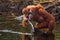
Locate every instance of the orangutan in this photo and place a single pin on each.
(43, 19)
(40, 15)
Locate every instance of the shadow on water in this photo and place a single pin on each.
(47, 36)
(43, 36)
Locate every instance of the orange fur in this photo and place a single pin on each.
(24, 23)
(41, 14)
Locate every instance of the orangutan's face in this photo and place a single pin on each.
(28, 14)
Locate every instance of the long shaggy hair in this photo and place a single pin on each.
(40, 15)
(44, 20)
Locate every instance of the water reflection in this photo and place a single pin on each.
(48, 36)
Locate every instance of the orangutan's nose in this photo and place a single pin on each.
(27, 16)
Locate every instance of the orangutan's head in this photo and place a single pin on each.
(30, 10)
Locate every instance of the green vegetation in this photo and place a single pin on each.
(9, 23)
(57, 32)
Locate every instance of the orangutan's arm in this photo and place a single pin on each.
(52, 25)
(40, 25)
(24, 21)
(50, 19)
